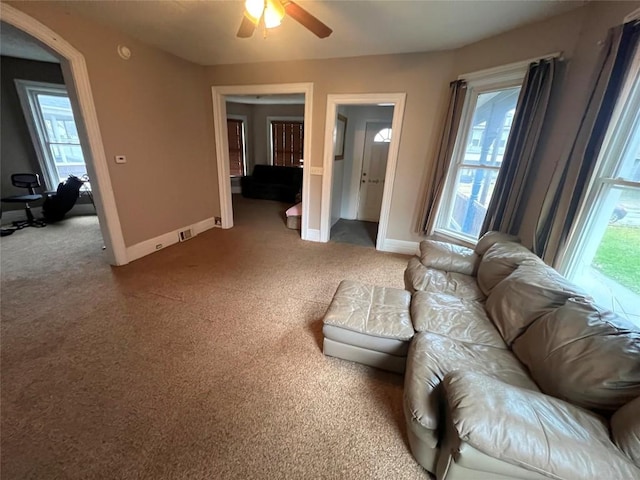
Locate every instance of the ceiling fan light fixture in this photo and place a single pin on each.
(273, 13)
(254, 9)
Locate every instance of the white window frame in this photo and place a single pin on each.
(27, 89)
(382, 137)
(243, 119)
(624, 121)
(270, 134)
(477, 83)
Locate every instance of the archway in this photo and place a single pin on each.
(76, 77)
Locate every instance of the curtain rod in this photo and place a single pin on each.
(510, 66)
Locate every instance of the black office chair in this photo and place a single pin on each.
(30, 181)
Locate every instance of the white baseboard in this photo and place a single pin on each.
(313, 235)
(401, 246)
(152, 245)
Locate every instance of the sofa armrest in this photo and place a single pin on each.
(532, 430)
(448, 257)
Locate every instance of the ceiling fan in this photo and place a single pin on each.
(271, 12)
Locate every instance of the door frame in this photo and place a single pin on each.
(219, 94)
(76, 76)
(397, 100)
(364, 147)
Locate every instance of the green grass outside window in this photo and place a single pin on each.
(618, 256)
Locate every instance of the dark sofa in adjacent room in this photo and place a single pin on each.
(273, 183)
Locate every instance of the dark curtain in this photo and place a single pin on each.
(458, 90)
(508, 201)
(567, 191)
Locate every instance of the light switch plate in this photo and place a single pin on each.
(317, 170)
(121, 159)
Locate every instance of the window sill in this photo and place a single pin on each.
(447, 236)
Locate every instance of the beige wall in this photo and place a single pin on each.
(577, 34)
(424, 77)
(155, 109)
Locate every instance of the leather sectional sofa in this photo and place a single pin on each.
(514, 372)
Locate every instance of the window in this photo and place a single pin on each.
(49, 116)
(485, 125)
(383, 136)
(287, 141)
(235, 132)
(603, 254)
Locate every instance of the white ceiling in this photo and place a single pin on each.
(204, 31)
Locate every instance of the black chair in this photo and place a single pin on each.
(30, 181)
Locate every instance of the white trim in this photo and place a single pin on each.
(76, 78)
(619, 132)
(510, 76)
(147, 247)
(400, 246)
(270, 136)
(313, 235)
(494, 74)
(451, 237)
(333, 100)
(33, 116)
(222, 150)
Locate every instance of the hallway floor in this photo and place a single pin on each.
(355, 232)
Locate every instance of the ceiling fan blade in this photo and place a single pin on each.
(247, 27)
(305, 19)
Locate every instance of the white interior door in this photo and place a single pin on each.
(374, 165)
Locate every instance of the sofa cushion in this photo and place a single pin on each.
(454, 317)
(625, 429)
(499, 261)
(418, 277)
(584, 354)
(525, 295)
(532, 430)
(448, 257)
(487, 240)
(377, 311)
(432, 356)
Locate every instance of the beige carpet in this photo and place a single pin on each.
(201, 361)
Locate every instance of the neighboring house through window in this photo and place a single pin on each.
(287, 142)
(485, 125)
(237, 146)
(49, 116)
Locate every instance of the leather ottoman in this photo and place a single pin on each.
(369, 325)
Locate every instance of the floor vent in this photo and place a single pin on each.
(185, 234)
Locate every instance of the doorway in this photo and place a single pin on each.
(76, 76)
(265, 136)
(220, 96)
(364, 130)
